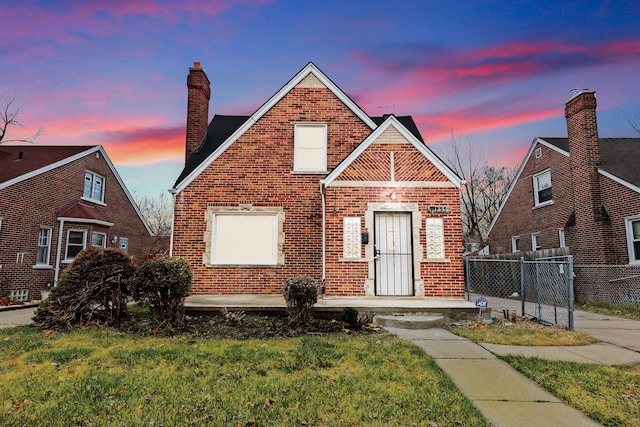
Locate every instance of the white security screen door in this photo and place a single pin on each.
(393, 254)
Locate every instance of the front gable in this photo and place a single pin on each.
(392, 156)
(307, 80)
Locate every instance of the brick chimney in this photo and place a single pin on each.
(197, 108)
(593, 225)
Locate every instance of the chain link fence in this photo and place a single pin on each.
(543, 287)
(613, 284)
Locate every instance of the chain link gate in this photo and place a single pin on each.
(544, 287)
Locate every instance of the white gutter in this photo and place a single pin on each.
(57, 270)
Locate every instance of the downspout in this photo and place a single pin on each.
(173, 219)
(324, 233)
(59, 248)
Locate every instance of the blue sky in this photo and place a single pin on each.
(494, 73)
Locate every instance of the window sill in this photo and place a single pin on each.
(42, 267)
(542, 205)
(352, 259)
(97, 202)
(309, 172)
(437, 260)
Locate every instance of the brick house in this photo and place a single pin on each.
(581, 192)
(55, 201)
(310, 184)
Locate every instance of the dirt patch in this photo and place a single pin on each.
(251, 326)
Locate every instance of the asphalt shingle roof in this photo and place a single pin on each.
(17, 160)
(619, 156)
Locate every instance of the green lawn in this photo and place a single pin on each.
(104, 378)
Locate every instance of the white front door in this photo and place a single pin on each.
(394, 255)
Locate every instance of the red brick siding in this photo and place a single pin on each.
(27, 206)
(520, 217)
(258, 169)
(621, 202)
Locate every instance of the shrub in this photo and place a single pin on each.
(163, 283)
(300, 294)
(355, 320)
(93, 288)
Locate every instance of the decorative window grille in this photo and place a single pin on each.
(352, 243)
(435, 238)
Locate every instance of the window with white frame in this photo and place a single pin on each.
(310, 147)
(99, 240)
(561, 238)
(352, 241)
(633, 239)
(249, 238)
(515, 243)
(435, 238)
(93, 187)
(44, 246)
(76, 242)
(542, 188)
(538, 152)
(535, 242)
(124, 244)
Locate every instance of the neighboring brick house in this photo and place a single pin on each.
(54, 202)
(580, 192)
(311, 185)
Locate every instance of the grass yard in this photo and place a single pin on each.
(607, 394)
(106, 377)
(627, 310)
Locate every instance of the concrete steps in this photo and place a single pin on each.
(414, 321)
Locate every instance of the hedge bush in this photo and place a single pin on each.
(163, 283)
(300, 294)
(93, 288)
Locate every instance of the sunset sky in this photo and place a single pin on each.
(494, 73)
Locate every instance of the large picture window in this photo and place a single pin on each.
(245, 238)
(542, 188)
(310, 146)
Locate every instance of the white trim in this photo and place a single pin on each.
(297, 150)
(273, 216)
(310, 68)
(629, 235)
(562, 239)
(515, 239)
(536, 190)
(50, 167)
(534, 247)
(93, 176)
(66, 246)
(619, 180)
(95, 233)
(86, 221)
(48, 255)
(422, 148)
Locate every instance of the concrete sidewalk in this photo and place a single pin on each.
(504, 396)
(16, 317)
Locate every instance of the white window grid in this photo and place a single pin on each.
(435, 238)
(44, 246)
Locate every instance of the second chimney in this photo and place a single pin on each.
(197, 108)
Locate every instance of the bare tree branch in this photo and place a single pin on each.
(10, 113)
(485, 189)
(157, 211)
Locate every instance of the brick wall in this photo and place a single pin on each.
(199, 92)
(257, 170)
(520, 216)
(27, 206)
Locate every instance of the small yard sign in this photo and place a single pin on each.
(482, 303)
